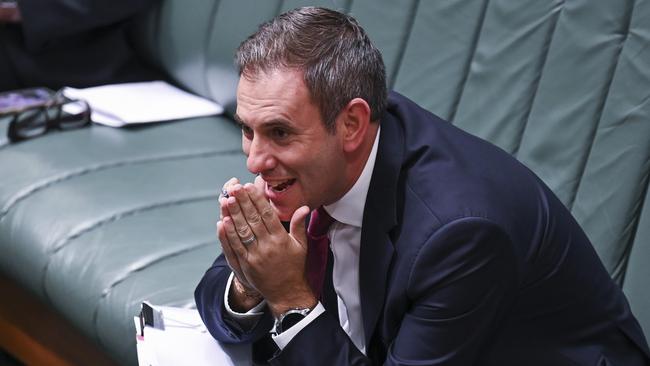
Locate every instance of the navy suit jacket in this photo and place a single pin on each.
(467, 258)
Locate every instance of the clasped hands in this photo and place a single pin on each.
(271, 267)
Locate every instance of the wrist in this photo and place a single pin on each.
(243, 298)
(304, 300)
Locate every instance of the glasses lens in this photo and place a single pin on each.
(73, 114)
(27, 124)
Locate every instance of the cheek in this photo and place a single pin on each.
(324, 173)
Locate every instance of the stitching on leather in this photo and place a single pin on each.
(404, 43)
(75, 233)
(468, 65)
(635, 227)
(535, 84)
(48, 182)
(79, 231)
(601, 107)
(140, 268)
(127, 275)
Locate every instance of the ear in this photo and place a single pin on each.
(353, 123)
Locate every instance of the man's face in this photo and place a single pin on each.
(286, 142)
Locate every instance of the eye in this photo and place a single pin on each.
(280, 133)
(247, 131)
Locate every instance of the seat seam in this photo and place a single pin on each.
(468, 64)
(55, 179)
(107, 291)
(75, 233)
(547, 47)
(404, 43)
(599, 116)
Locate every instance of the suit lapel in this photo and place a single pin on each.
(378, 219)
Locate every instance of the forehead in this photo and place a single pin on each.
(274, 94)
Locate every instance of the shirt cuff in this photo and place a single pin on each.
(284, 338)
(248, 319)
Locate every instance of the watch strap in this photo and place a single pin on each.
(290, 318)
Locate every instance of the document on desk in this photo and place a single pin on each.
(118, 105)
(185, 341)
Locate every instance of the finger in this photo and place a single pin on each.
(241, 225)
(231, 258)
(223, 209)
(297, 227)
(250, 213)
(223, 212)
(228, 185)
(268, 215)
(235, 242)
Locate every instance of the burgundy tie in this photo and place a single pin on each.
(317, 250)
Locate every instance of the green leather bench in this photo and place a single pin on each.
(95, 220)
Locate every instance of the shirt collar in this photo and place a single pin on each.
(349, 209)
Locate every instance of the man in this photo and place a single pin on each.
(444, 249)
(78, 43)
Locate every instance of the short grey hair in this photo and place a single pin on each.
(338, 60)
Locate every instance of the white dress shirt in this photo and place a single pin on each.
(345, 243)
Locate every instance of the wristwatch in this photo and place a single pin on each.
(290, 318)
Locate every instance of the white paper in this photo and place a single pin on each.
(186, 341)
(117, 105)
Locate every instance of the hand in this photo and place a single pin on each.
(274, 263)
(243, 296)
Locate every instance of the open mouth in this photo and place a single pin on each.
(282, 186)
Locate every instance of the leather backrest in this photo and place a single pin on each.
(564, 85)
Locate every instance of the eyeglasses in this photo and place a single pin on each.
(56, 112)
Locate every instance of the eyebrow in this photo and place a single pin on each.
(278, 122)
(238, 119)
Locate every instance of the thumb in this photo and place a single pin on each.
(297, 227)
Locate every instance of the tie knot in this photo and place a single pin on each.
(319, 223)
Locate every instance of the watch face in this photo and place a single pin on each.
(289, 321)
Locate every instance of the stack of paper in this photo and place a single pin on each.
(118, 105)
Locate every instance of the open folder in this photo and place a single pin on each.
(180, 338)
(117, 105)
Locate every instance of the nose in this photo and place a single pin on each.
(260, 157)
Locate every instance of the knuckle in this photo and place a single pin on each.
(267, 213)
(244, 231)
(254, 219)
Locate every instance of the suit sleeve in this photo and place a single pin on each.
(209, 297)
(459, 286)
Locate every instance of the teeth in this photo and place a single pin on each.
(282, 186)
